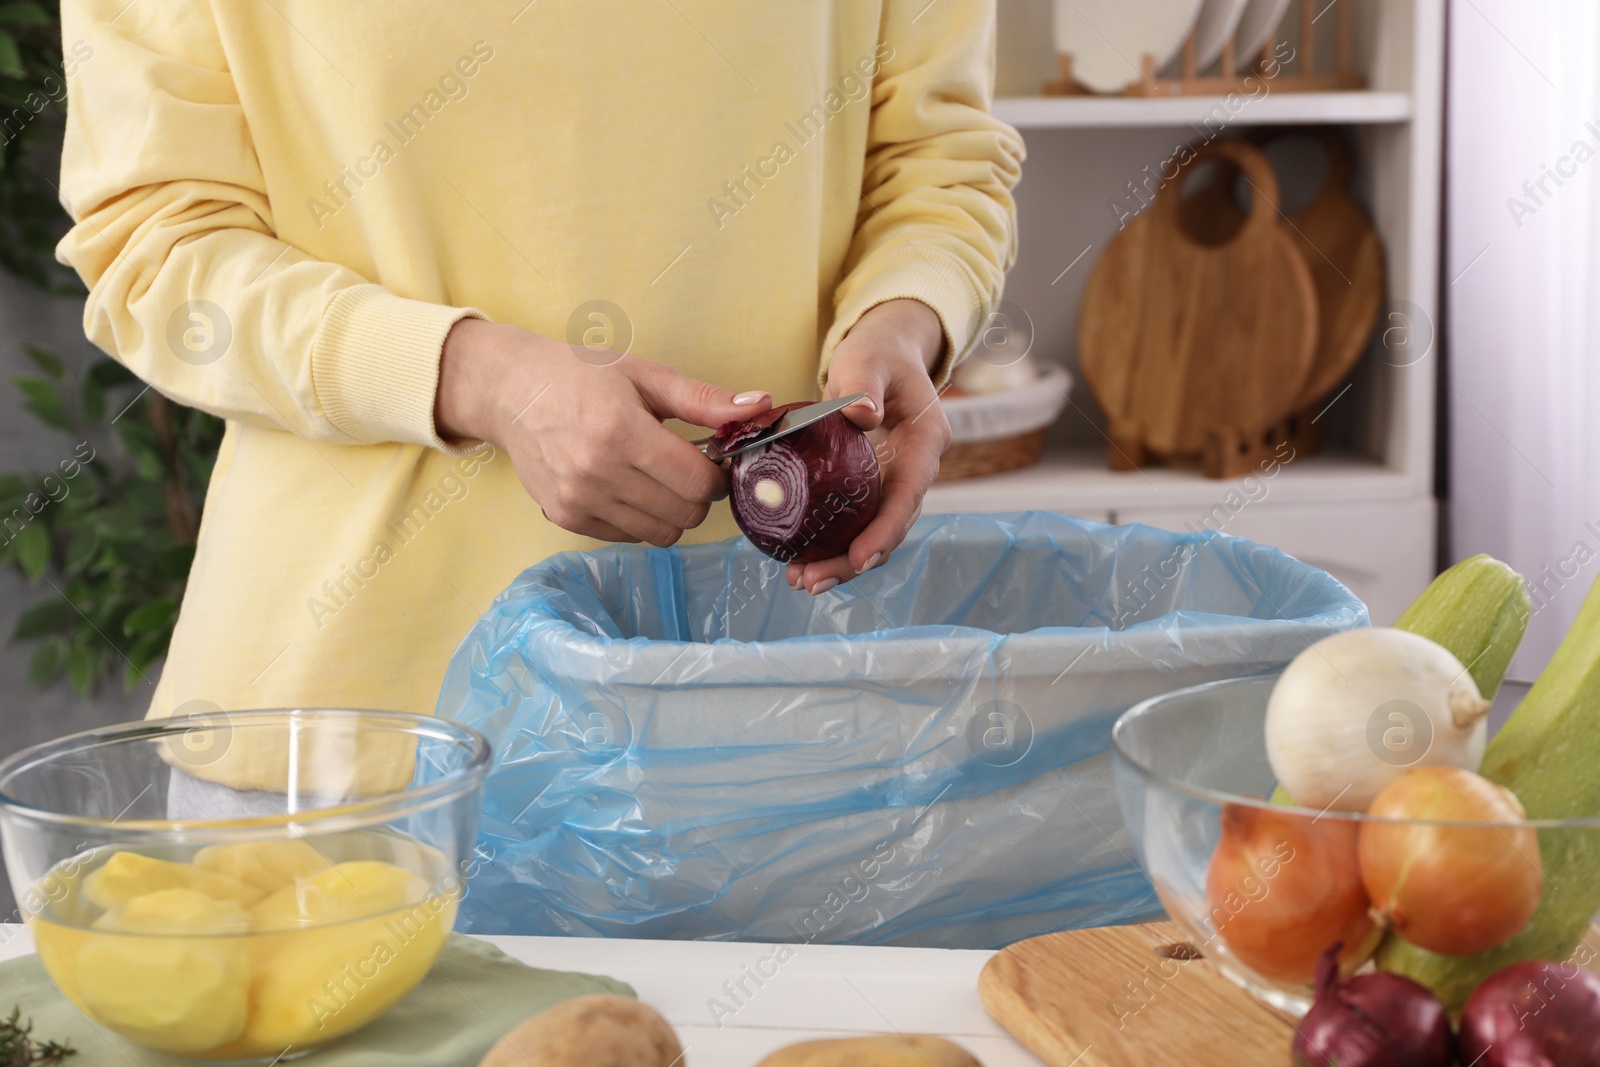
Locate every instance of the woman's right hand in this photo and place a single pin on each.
(586, 440)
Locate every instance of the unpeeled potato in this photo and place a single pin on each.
(600, 1030)
(909, 1050)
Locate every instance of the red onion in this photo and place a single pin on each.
(1536, 1014)
(807, 495)
(1372, 1020)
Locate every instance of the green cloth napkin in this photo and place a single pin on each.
(473, 995)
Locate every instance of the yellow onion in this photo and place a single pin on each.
(1283, 888)
(1453, 889)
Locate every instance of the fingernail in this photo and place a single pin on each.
(866, 402)
(823, 586)
(754, 397)
(877, 558)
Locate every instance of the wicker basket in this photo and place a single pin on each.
(974, 459)
(1002, 432)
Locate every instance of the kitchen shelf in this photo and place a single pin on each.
(1365, 511)
(1089, 112)
(1076, 481)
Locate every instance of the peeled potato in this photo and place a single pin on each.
(175, 911)
(267, 865)
(601, 1030)
(128, 874)
(353, 890)
(58, 947)
(173, 992)
(910, 1050)
(316, 984)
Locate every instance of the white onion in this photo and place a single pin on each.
(1356, 710)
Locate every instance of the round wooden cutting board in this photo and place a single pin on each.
(1185, 341)
(1345, 258)
(1342, 251)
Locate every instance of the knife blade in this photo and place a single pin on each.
(797, 419)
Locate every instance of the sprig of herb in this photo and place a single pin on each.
(18, 1047)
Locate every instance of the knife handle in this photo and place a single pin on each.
(708, 448)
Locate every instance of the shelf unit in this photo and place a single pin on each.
(1364, 510)
(1083, 112)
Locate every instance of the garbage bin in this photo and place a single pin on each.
(685, 747)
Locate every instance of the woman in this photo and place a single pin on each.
(445, 268)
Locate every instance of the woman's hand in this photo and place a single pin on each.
(887, 355)
(587, 440)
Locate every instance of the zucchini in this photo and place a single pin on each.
(1548, 754)
(1477, 609)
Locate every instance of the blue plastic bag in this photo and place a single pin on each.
(685, 747)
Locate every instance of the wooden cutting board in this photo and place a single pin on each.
(1341, 250)
(1345, 257)
(1109, 997)
(1187, 341)
(1120, 996)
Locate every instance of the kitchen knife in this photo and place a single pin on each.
(797, 419)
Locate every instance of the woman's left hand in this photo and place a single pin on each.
(887, 355)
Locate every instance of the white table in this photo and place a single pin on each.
(818, 991)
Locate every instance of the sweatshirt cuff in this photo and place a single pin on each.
(931, 275)
(375, 366)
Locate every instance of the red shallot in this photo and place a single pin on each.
(1372, 1020)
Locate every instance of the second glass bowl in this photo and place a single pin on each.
(1192, 780)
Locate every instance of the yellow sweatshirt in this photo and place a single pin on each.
(282, 206)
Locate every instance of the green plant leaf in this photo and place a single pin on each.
(13, 487)
(85, 496)
(43, 399)
(44, 618)
(150, 647)
(92, 396)
(175, 560)
(45, 665)
(11, 57)
(144, 652)
(33, 550)
(25, 12)
(110, 374)
(152, 466)
(81, 549)
(43, 358)
(80, 669)
(149, 617)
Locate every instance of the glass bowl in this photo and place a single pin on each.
(1191, 768)
(242, 887)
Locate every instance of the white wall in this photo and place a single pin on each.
(1521, 282)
